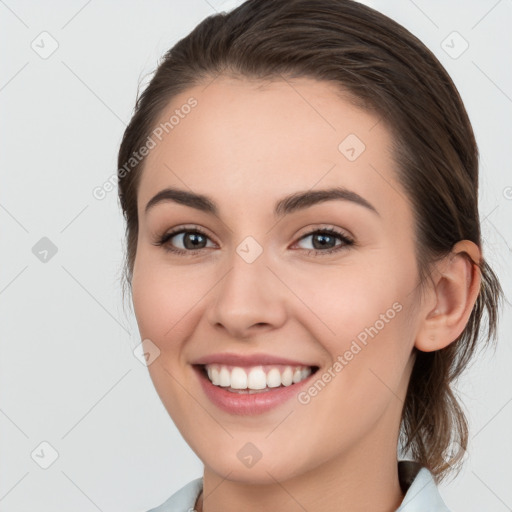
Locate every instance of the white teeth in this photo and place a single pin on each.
(256, 377)
(287, 376)
(238, 378)
(224, 377)
(273, 378)
(213, 374)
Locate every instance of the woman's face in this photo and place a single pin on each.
(264, 280)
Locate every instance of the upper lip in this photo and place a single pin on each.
(233, 359)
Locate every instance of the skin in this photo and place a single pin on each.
(246, 145)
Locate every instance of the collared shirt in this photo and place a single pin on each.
(417, 482)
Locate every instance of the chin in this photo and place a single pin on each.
(280, 466)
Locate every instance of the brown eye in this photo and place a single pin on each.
(326, 241)
(190, 240)
(184, 241)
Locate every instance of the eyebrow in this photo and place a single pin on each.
(289, 204)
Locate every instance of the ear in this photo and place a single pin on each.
(456, 287)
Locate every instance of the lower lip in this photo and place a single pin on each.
(245, 403)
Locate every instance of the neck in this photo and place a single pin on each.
(354, 482)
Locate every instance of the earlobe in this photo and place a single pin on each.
(457, 285)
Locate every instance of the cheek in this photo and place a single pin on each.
(166, 304)
(363, 319)
(167, 298)
(346, 300)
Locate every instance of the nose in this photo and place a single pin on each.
(248, 300)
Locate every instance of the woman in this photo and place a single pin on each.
(300, 185)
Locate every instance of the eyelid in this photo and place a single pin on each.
(185, 228)
(308, 230)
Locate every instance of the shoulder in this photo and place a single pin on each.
(182, 500)
(421, 491)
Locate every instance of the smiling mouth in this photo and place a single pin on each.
(255, 379)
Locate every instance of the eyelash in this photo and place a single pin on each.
(346, 241)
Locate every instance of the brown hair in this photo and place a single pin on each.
(391, 73)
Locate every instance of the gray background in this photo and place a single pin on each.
(68, 374)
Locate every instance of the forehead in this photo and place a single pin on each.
(249, 140)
